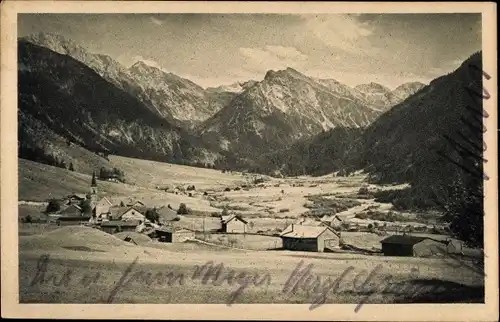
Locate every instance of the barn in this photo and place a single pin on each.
(72, 210)
(172, 235)
(400, 245)
(117, 226)
(233, 224)
(72, 220)
(132, 214)
(310, 238)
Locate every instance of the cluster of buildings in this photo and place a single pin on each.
(110, 218)
(304, 235)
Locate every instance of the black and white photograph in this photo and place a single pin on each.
(308, 158)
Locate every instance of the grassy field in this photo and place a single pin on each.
(166, 274)
(152, 174)
(244, 241)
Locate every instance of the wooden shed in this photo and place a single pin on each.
(172, 235)
(400, 245)
(233, 224)
(310, 238)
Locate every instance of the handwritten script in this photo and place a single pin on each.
(301, 280)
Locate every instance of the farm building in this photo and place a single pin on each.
(136, 203)
(132, 214)
(70, 211)
(75, 198)
(117, 226)
(172, 235)
(72, 220)
(333, 221)
(309, 238)
(102, 206)
(126, 213)
(233, 224)
(402, 245)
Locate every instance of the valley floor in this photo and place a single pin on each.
(86, 265)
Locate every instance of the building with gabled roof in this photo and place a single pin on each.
(310, 238)
(233, 224)
(117, 226)
(171, 234)
(71, 210)
(400, 245)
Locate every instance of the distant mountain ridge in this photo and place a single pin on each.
(417, 141)
(244, 120)
(172, 97)
(287, 106)
(68, 99)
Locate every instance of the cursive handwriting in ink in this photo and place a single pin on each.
(144, 278)
(218, 274)
(41, 276)
(304, 279)
(363, 287)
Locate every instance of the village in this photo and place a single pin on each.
(176, 218)
(344, 232)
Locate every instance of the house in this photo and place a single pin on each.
(233, 224)
(136, 203)
(310, 238)
(72, 220)
(132, 214)
(173, 235)
(102, 207)
(71, 211)
(75, 198)
(400, 245)
(333, 221)
(116, 226)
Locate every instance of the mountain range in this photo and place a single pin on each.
(73, 103)
(62, 97)
(429, 140)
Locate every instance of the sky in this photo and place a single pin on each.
(220, 49)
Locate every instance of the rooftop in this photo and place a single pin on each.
(228, 218)
(301, 231)
(116, 223)
(402, 240)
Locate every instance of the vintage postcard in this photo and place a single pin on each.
(249, 160)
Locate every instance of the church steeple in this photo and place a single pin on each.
(94, 183)
(93, 192)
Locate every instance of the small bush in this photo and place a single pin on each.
(227, 189)
(205, 193)
(53, 206)
(183, 210)
(191, 188)
(284, 210)
(363, 191)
